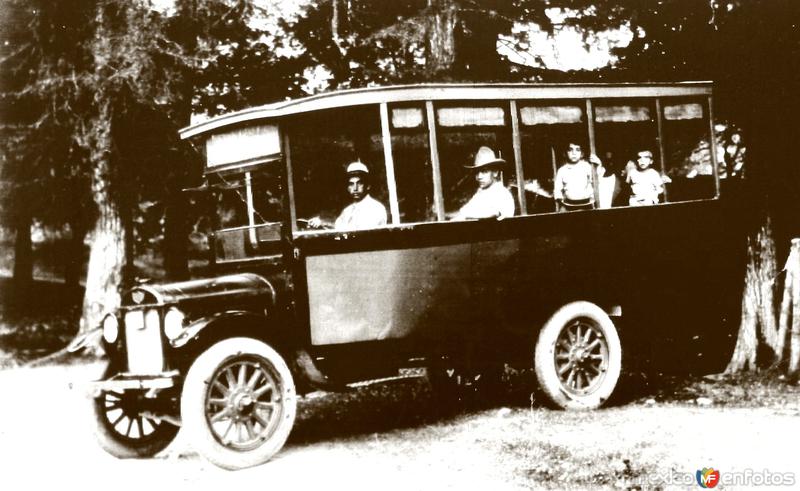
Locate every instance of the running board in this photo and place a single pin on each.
(405, 373)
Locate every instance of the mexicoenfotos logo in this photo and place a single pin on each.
(707, 477)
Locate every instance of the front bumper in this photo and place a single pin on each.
(125, 381)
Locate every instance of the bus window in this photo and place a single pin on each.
(623, 130)
(461, 132)
(545, 131)
(412, 164)
(249, 207)
(232, 202)
(267, 201)
(687, 150)
(322, 146)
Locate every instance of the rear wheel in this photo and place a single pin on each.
(578, 357)
(238, 403)
(125, 426)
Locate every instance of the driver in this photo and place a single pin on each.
(364, 211)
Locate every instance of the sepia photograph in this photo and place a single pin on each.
(400, 244)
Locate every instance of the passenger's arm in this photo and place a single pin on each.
(507, 207)
(558, 186)
(558, 190)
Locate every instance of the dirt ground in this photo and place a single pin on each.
(393, 436)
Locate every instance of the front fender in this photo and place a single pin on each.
(90, 338)
(204, 324)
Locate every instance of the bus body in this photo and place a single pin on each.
(565, 293)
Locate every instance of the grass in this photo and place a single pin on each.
(518, 442)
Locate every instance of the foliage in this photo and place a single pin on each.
(93, 95)
(64, 63)
(42, 92)
(230, 63)
(361, 44)
(90, 81)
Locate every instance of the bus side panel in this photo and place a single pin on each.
(675, 272)
(386, 294)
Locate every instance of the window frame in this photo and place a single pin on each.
(513, 127)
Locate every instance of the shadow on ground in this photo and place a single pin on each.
(401, 404)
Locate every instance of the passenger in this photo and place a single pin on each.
(492, 199)
(645, 182)
(364, 212)
(607, 183)
(573, 188)
(734, 155)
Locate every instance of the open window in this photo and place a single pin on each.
(244, 171)
(687, 149)
(545, 131)
(624, 129)
(412, 163)
(461, 130)
(249, 206)
(322, 144)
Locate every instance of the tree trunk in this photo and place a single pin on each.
(73, 267)
(767, 271)
(442, 22)
(758, 308)
(790, 303)
(759, 319)
(176, 232)
(794, 346)
(786, 311)
(336, 25)
(106, 260)
(23, 255)
(107, 250)
(744, 354)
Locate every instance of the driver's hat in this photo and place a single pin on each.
(357, 167)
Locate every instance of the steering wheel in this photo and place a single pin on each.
(306, 225)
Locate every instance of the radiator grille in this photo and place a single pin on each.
(143, 342)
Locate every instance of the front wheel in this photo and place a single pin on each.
(238, 403)
(124, 426)
(578, 357)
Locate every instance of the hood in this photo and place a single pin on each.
(235, 286)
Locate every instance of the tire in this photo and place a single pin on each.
(122, 430)
(238, 403)
(578, 357)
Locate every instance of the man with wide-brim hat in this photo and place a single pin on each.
(364, 211)
(492, 199)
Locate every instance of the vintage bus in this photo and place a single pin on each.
(301, 298)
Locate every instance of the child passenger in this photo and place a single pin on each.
(645, 182)
(573, 188)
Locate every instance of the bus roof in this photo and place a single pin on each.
(455, 92)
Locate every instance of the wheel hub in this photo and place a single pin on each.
(580, 357)
(243, 403)
(578, 354)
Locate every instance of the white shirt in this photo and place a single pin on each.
(646, 185)
(494, 201)
(361, 215)
(574, 182)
